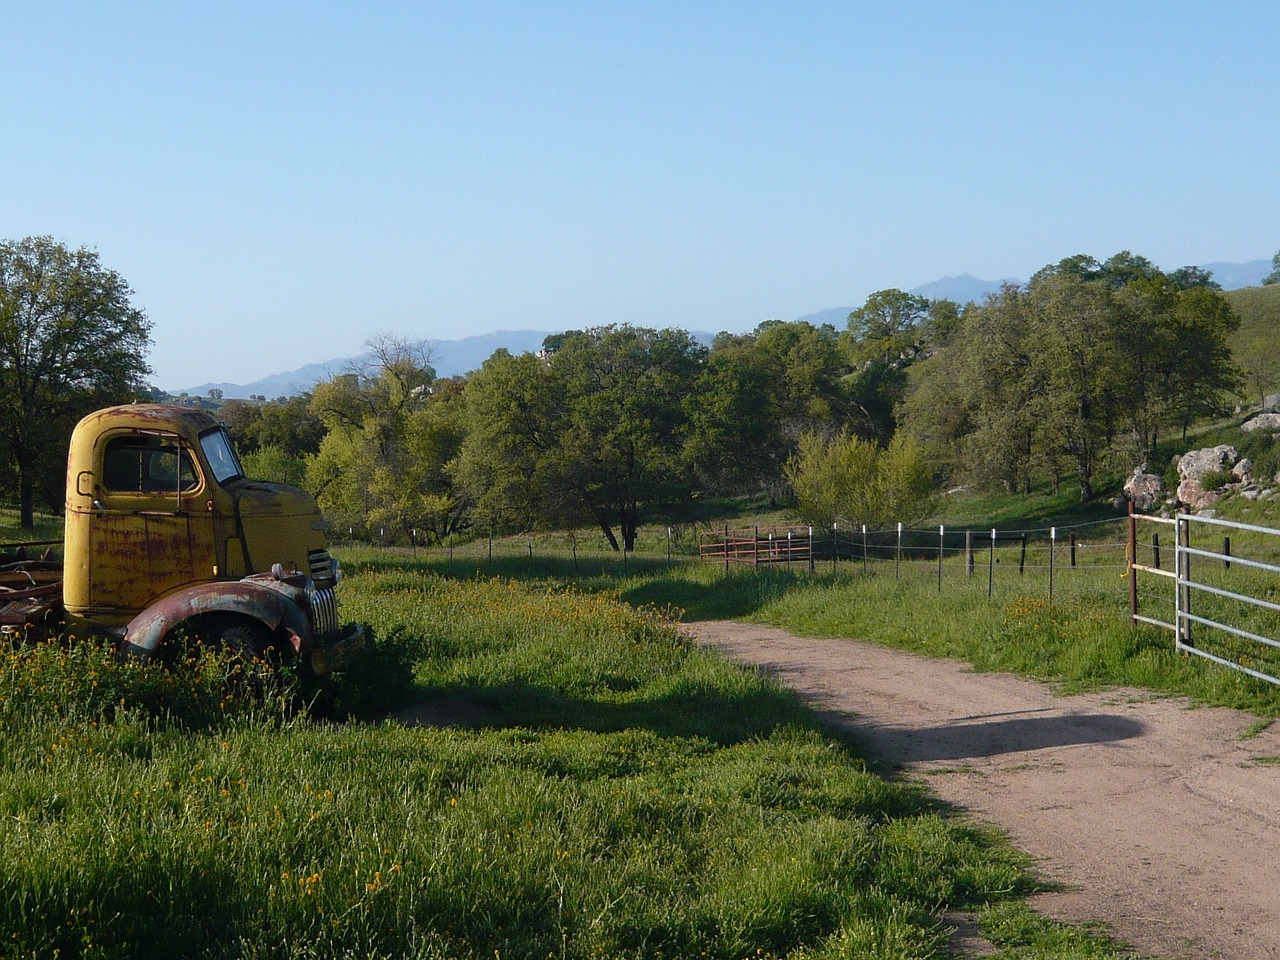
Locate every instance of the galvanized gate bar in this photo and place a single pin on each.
(1185, 584)
(1233, 630)
(1254, 601)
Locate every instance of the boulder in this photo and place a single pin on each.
(1144, 490)
(1271, 404)
(1243, 469)
(1263, 421)
(1197, 463)
(1196, 497)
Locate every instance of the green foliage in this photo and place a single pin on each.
(855, 482)
(1048, 378)
(1215, 479)
(1274, 276)
(381, 470)
(1256, 344)
(888, 326)
(286, 424)
(70, 342)
(595, 430)
(274, 465)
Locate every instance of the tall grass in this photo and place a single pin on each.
(614, 792)
(1069, 624)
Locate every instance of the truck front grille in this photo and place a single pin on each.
(321, 565)
(324, 612)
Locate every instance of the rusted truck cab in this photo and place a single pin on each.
(163, 530)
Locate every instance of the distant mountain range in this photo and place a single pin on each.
(456, 357)
(449, 358)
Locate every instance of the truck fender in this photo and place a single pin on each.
(275, 610)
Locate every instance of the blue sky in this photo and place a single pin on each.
(279, 182)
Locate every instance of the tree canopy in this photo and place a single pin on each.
(70, 341)
(592, 429)
(1087, 356)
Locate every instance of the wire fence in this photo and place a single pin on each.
(1000, 561)
(965, 552)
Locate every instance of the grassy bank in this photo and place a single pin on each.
(1001, 615)
(615, 792)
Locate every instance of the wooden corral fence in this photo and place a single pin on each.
(758, 545)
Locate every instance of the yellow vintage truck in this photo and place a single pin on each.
(164, 533)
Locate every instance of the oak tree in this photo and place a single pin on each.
(70, 341)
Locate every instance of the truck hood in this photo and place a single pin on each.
(257, 498)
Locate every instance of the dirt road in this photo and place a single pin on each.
(1157, 819)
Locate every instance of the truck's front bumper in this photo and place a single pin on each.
(339, 652)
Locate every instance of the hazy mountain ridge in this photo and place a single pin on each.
(458, 357)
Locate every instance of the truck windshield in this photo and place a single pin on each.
(222, 459)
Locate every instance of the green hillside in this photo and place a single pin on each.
(1256, 345)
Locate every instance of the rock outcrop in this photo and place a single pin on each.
(1266, 422)
(1196, 463)
(1144, 490)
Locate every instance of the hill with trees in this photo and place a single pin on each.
(1075, 376)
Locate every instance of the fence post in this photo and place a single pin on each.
(1053, 540)
(1155, 550)
(834, 523)
(726, 548)
(864, 548)
(897, 560)
(991, 563)
(1226, 553)
(968, 553)
(788, 549)
(811, 548)
(668, 548)
(1022, 557)
(1133, 570)
(1073, 551)
(755, 545)
(941, 544)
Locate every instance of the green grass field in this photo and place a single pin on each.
(609, 789)
(619, 793)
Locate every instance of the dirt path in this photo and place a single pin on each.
(1156, 818)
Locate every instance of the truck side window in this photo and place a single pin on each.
(146, 465)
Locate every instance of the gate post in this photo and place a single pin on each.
(1133, 571)
(1184, 535)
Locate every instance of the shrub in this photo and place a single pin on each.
(1212, 480)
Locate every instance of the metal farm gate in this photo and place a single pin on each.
(1233, 592)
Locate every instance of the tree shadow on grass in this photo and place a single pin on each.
(731, 597)
(688, 713)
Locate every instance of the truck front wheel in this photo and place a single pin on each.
(246, 639)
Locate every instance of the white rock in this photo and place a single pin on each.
(1263, 421)
(1197, 463)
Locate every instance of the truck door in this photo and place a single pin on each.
(152, 533)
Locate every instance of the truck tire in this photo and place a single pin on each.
(244, 638)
